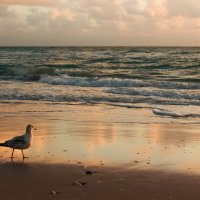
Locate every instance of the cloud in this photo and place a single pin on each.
(184, 8)
(30, 2)
(156, 9)
(5, 13)
(95, 22)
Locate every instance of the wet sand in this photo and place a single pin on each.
(41, 182)
(136, 154)
(117, 136)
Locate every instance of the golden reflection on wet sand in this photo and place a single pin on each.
(101, 135)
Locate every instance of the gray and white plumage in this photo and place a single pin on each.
(20, 142)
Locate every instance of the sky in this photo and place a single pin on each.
(100, 23)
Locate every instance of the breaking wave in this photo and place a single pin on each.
(114, 82)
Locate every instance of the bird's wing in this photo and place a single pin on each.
(15, 141)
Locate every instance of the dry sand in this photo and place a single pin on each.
(35, 181)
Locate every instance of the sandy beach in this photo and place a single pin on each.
(42, 182)
(130, 153)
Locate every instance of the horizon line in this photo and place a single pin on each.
(90, 46)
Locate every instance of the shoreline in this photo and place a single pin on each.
(47, 181)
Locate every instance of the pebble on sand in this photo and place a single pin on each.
(53, 192)
(88, 172)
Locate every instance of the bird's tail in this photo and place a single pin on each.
(3, 144)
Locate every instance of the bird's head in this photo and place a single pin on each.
(29, 128)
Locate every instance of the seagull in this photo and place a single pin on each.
(20, 142)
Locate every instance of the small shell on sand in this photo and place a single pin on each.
(77, 183)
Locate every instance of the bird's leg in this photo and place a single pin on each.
(23, 154)
(12, 153)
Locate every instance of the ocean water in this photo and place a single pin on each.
(152, 77)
